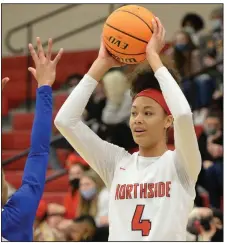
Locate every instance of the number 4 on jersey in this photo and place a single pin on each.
(138, 224)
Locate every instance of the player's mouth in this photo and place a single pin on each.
(139, 131)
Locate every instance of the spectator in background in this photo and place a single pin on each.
(187, 61)
(41, 213)
(84, 229)
(218, 221)
(42, 231)
(212, 129)
(211, 149)
(206, 224)
(72, 81)
(57, 222)
(193, 24)
(47, 225)
(93, 112)
(118, 108)
(185, 54)
(94, 198)
(216, 18)
(214, 174)
(73, 159)
(61, 142)
(211, 45)
(77, 166)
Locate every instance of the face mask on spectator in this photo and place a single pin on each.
(215, 24)
(210, 131)
(189, 29)
(181, 47)
(212, 52)
(74, 183)
(88, 194)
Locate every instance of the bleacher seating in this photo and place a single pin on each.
(18, 139)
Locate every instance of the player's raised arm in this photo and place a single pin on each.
(19, 212)
(188, 157)
(101, 156)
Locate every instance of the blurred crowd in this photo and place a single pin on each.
(197, 56)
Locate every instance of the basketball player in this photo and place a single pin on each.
(19, 212)
(151, 191)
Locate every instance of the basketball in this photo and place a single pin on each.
(127, 32)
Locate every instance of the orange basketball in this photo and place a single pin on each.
(126, 33)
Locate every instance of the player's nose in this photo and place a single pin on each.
(138, 119)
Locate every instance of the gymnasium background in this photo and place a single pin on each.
(15, 14)
(77, 28)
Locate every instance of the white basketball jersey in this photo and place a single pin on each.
(148, 201)
(150, 198)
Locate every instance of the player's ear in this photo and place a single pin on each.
(168, 121)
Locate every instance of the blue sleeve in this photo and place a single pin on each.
(20, 210)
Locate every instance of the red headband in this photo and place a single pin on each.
(155, 95)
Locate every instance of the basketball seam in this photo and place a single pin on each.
(124, 53)
(126, 33)
(137, 17)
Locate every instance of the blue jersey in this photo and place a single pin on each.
(18, 214)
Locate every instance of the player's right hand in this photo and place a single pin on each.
(106, 57)
(103, 63)
(45, 69)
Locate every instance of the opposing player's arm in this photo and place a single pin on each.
(21, 207)
(188, 157)
(101, 156)
(24, 202)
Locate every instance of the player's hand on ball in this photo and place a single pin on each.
(45, 69)
(157, 41)
(103, 63)
(106, 57)
(4, 82)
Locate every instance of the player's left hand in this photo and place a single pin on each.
(157, 41)
(4, 82)
(45, 71)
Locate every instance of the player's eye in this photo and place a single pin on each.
(133, 113)
(148, 113)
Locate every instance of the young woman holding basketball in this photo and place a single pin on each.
(151, 191)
